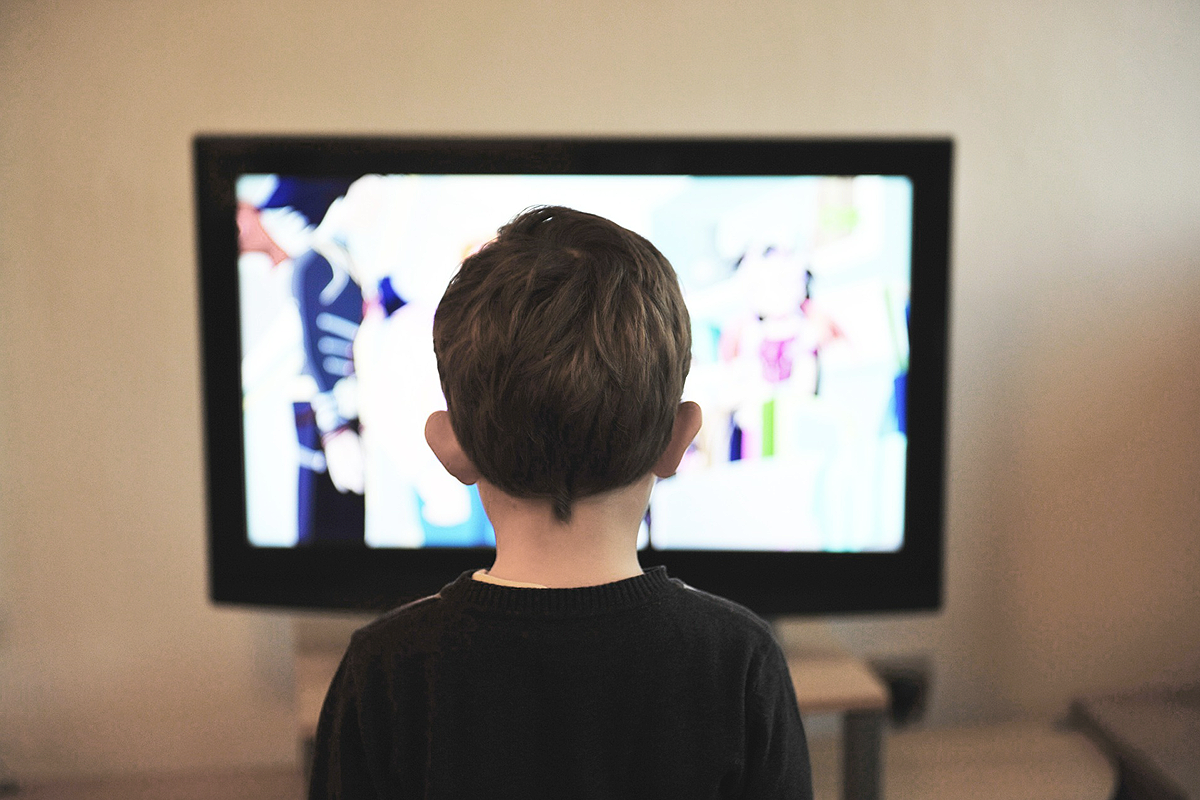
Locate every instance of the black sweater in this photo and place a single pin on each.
(640, 688)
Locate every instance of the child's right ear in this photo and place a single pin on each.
(687, 425)
(445, 446)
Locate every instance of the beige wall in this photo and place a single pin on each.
(1074, 499)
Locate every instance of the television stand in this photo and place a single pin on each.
(828, 679)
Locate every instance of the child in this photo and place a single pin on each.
(564, 670)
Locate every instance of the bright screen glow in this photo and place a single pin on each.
(798, 289)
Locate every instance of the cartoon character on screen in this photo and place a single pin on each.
(777, 344)
(329, 302)
(377, 235)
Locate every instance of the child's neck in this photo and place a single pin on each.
(597, 545)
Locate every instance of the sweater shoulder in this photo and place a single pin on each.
(414, 626)
(720, 606)
(731, 619)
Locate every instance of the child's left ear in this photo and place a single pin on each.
(445, 446)
(687, 425)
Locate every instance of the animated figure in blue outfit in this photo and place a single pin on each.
(379, 238)
(331, 506)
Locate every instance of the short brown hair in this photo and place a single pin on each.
(562, 347)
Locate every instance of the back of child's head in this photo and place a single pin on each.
(562, 347)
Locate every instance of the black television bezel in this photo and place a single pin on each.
(363, 579)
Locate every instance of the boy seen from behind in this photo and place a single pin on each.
(564, 670)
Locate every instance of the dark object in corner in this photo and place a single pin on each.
(1154, 737)
(908, 680)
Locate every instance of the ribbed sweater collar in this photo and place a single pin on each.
(582, 601)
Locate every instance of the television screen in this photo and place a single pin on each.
(815, 273)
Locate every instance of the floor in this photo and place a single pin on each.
(995, 763)
(1002, 762)
(278, 783)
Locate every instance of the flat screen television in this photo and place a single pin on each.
(816, 274)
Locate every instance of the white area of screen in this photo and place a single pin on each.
(837, 485)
